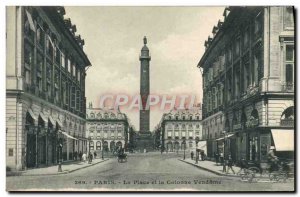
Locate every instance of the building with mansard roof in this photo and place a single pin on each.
(45, 87)
(248, 83)
(179, 127)
(107, 129)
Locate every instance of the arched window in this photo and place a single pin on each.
(98, 145)
(92, 115)
(287, 117)
(91, 145)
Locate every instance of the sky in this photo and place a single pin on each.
(113, 41)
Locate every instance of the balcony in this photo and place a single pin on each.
(287, 122)
(288, 87)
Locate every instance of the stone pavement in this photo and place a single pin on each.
(53, 170)
(212, 167)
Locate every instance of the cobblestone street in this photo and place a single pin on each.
(141, 172)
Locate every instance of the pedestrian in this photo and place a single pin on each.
(90, 157)
(221, 156)
(216, 157)
(197, 156)
(75, 155)
(80, 156)
(84, 157)
(95, 155)
(202, 155)
(192, 155)
(229, 164)
(243, 165)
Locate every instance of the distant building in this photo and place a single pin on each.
(106, 129)
(45, 87)
(248, 83)
(179, 127)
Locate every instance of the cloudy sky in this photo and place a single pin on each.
(113, 40)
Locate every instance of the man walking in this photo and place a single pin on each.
(192, 155)
(229, 164)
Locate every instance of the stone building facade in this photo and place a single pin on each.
(106, 129)
(248, 83)
(45, 87)
(179, 127)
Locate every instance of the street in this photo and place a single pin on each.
(150, 171)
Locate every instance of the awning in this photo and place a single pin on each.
(51, 120)
(32, 114)
(43, 117)
(227, 136)
(69, 136)
(283, 139)
(203, 146)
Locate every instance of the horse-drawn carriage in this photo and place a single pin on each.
(122, 157)
(279, 171)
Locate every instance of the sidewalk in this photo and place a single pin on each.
(53, 170)
(211, 167)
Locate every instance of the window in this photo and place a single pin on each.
(288, 17)
(29, 27)
(74, 70)
(120, 129)
(69, 65)
(57, 55)
(78, 100)
(56, 85)
(98, 145)
(229, 55)
(169, 133)
(98, 128)
(289, 66)
(229, 85)
(237, 81)
(73, 97)
(40, 36)
(28, 58)
(258, 24)
(257, 65)
(237, 47)
(63, 91)
(247, 75)
(246, 38)
(91, 145)
(63, 60)
(49, 47)
(78, 75)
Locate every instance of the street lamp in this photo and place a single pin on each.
(59, 151)
(224, 150)
(197, 152)
(184, 149)
(102, 148)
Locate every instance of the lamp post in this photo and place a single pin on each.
(89, 159)
(184, 149)
(197, 152)
(59, 151)
(102, 148)
(224, 150)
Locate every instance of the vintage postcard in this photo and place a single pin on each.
(150, 98)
